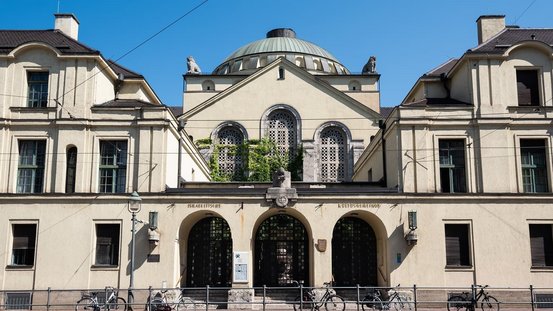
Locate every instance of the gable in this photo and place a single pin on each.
(315, 101)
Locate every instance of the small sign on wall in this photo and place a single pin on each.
(240, 267)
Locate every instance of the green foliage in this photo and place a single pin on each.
(203, 143)
(260, 159)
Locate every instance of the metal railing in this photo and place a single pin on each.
(266, 298)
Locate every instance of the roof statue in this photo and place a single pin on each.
(370, 66)
(193, 68)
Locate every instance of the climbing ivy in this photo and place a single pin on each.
(260, 159)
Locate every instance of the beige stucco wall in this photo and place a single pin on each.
(499, 230)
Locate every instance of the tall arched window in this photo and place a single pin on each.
(282, 131)
(230, 157)
(71, 171)
(333, 143)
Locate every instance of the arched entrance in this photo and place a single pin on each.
(281, 252)
(354, 258)
(209, 256)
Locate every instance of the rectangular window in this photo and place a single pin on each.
(534, 167)
(528, 88)
(452, 165)
(107, 244)
(37, 84)
(30, 170)
(24, 242)
(457, 246)
(541, 245)
(18, 301)
(113, 166)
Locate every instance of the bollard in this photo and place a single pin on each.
(48, 299)
(150, 298)
(207, 297)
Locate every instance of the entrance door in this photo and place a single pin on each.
(354, 253)
(209, 255)
(281, 253)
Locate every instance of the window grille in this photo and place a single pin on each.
(209, 254)
(333, 154)
(37, 83)
(281, 252)
(230, 157)
(18, 301)
(544, 301)
(113, 166)
(354, 253)
(282, 131)
(30, 172)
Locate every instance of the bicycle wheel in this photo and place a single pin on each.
(371, 303)
(186, 303)
(119, 304)
(457, 303)
(335, 303)
(86, 304)
(490, 303)
(306, 303)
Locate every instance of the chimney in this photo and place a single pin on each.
(489, 26)
(68, 24)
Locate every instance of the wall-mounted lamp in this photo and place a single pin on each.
(153, 235)
(412, 237)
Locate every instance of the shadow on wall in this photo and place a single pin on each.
(398, 248)
(142, 248)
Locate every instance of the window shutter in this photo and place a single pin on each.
(453, 251)
(457, 245)
(541, 245)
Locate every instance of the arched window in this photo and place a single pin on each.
(230, 157)
(71, 170)
(333, 143)
(281, 129)
(209, 253)
(208, 85)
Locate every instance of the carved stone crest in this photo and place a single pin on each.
(281, 193)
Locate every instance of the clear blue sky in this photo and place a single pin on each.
(408, 37)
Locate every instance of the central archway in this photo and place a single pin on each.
(354, 250)
(209, 253)
(281, 252)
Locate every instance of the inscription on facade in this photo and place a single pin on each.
(358, 205)
(203, 205)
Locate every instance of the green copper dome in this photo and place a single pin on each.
(281, 42)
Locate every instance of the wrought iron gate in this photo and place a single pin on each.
(354, 253)
(209, 254)
(281, 253)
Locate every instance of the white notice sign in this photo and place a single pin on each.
(240, 266)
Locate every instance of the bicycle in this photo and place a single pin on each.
(329, 300)
(160, 302)
(373, 301)
(466, 301)
(89, 301)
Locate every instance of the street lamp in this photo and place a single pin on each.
(134, 206)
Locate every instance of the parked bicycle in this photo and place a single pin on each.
(466, 301)
(89, 301)
(308, 301)
(373, 301)
(160, 302)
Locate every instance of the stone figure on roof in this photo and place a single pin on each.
(193, 68)
(370, 66)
